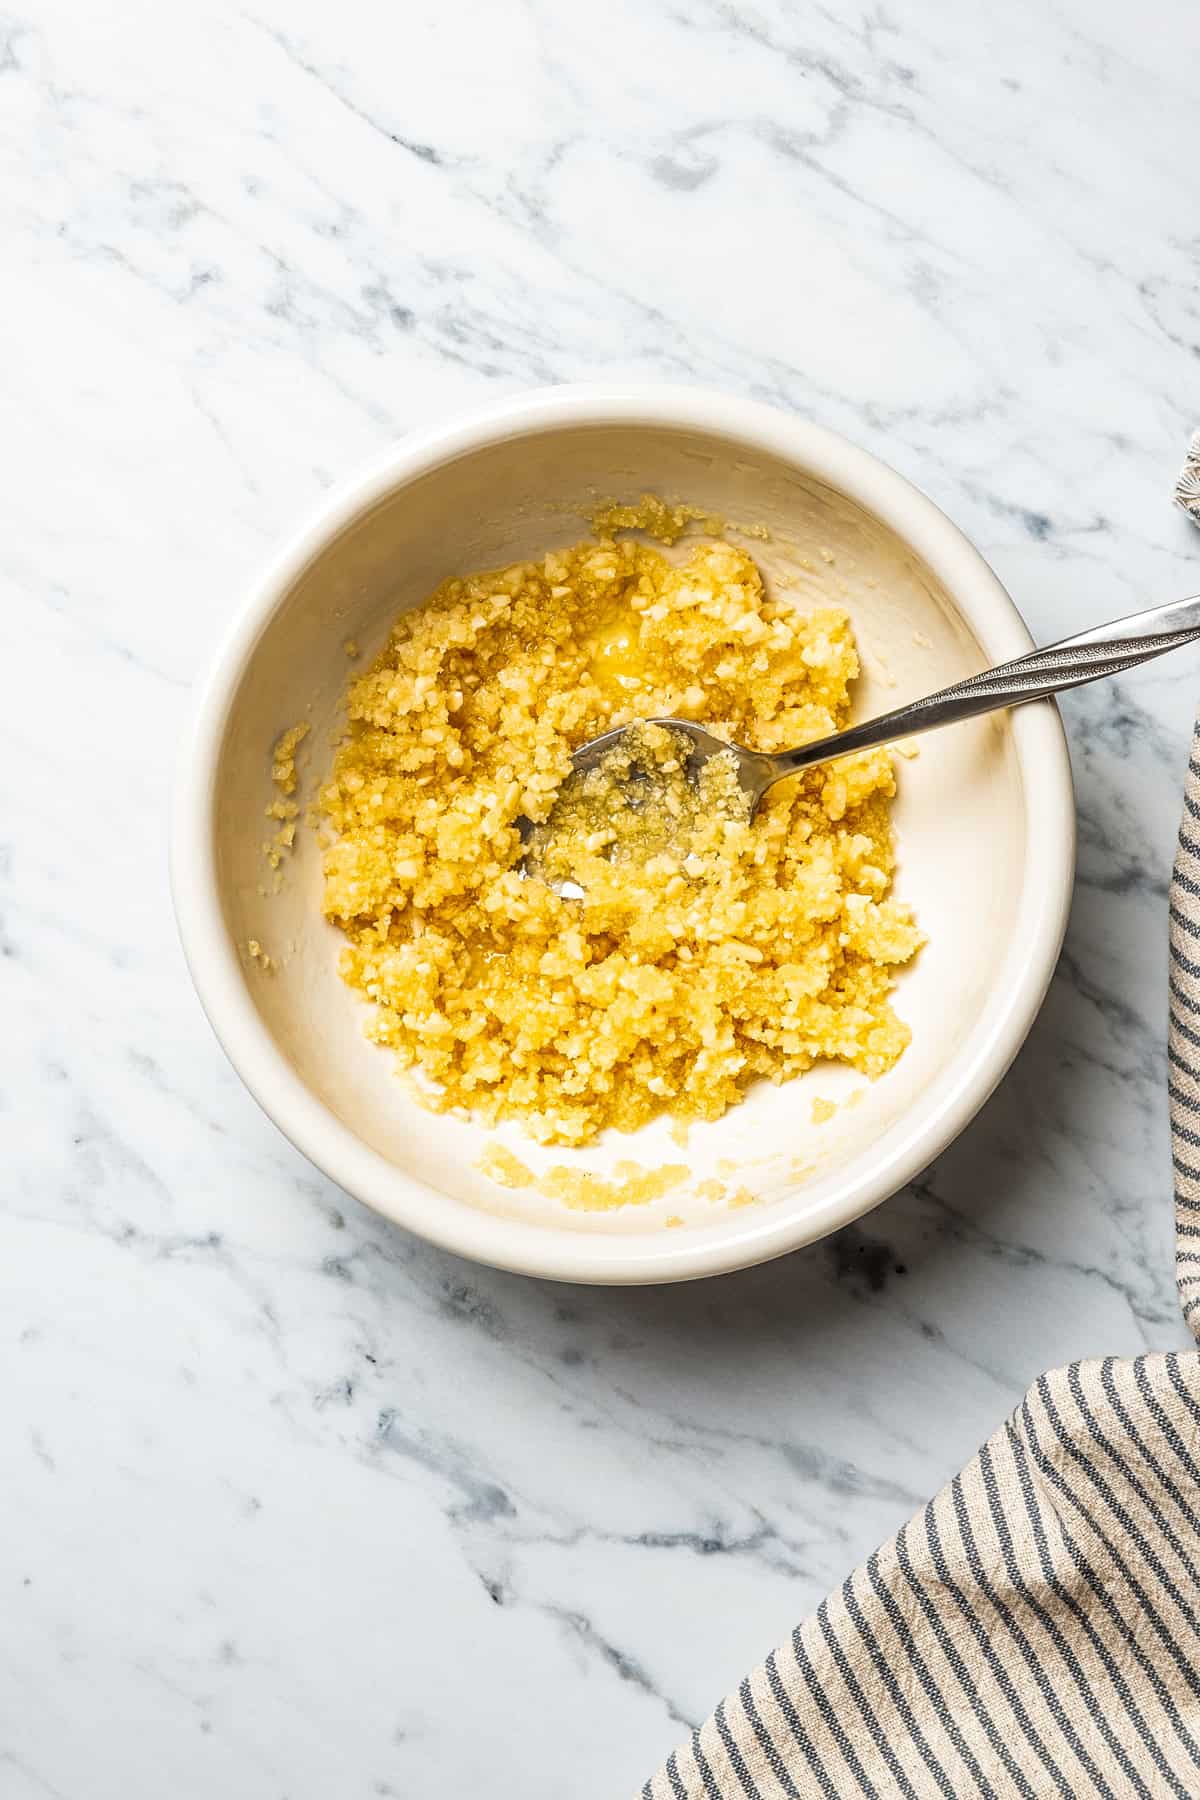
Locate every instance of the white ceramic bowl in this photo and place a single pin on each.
(985, 822)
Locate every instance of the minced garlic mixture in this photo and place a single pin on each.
(675, 980)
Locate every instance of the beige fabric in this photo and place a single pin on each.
(1187, 487)
(1032, 1632)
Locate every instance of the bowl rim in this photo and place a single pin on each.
(945, 1107)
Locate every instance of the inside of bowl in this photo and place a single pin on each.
(959, 817)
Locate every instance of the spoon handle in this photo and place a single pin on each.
(1105, 650)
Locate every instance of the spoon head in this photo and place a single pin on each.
(701, 746)
(630, 792)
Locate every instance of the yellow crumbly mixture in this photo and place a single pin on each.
(674, 981)
(580, 1189)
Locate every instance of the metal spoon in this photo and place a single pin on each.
(1105, 650)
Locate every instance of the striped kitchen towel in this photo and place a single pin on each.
(1036, 1630)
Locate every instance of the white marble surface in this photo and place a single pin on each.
(293, 1506)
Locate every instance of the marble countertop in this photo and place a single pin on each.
(295, 1506)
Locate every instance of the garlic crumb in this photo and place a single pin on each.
(283, 767)
(500, 1165)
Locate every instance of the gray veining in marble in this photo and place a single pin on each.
(294, 1506)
